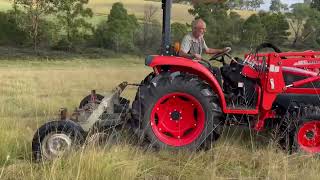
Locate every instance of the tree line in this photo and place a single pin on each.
(65, 25)
(295, 27)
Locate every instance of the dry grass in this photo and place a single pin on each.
(245, 14)
(179, 11)
(32, 91)
(4, 5)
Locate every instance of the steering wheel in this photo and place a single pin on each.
(216, 56)
(267, 45)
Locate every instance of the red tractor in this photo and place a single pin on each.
(181, 104)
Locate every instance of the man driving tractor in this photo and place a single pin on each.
(193, 45)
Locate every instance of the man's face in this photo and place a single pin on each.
(199, 29)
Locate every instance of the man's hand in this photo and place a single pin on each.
(227, 49)
(197, 57)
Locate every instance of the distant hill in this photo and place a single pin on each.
(137, 7)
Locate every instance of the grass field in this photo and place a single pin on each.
(4, 5)
(32, 92)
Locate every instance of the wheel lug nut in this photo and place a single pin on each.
(195, 124)
(157, 108)
(159, 129)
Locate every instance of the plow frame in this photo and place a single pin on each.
(88, 117)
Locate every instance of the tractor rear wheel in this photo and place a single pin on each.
(177, 111)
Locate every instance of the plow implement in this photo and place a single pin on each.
(98, 119)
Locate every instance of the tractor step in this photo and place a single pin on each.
(241, 107)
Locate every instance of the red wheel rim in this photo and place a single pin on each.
(309, 137)
(177, 119)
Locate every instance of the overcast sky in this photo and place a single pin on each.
(266, 4)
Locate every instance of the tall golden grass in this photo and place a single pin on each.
(31, 92)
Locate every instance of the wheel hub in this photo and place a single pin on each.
(177, 119)
(175, 115)
(55, 145)
(308, 136)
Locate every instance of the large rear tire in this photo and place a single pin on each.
(177, 111)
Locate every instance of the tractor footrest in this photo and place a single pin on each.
(241, 107)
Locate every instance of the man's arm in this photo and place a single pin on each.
(213, 51)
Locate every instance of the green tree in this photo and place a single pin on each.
(276, 27)
(35, 10)
(223, 27)
(210, 12)
(256, 4)
(297, 17)
(150, 42)
(315, 4)
(275, 6)
(311, 34)
(235, 26)
(12, 32)
(254, 32)
(178, 31)
(118, 32)
(236, 4)
(218, 23)
(148, 39)
(307, 1)
(72, 16)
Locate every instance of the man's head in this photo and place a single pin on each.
(198, 28)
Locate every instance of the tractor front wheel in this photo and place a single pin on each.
(307, 137)
(299, 130)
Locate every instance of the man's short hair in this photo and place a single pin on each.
(195, 22)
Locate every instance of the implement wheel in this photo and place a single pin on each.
(56, 138)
